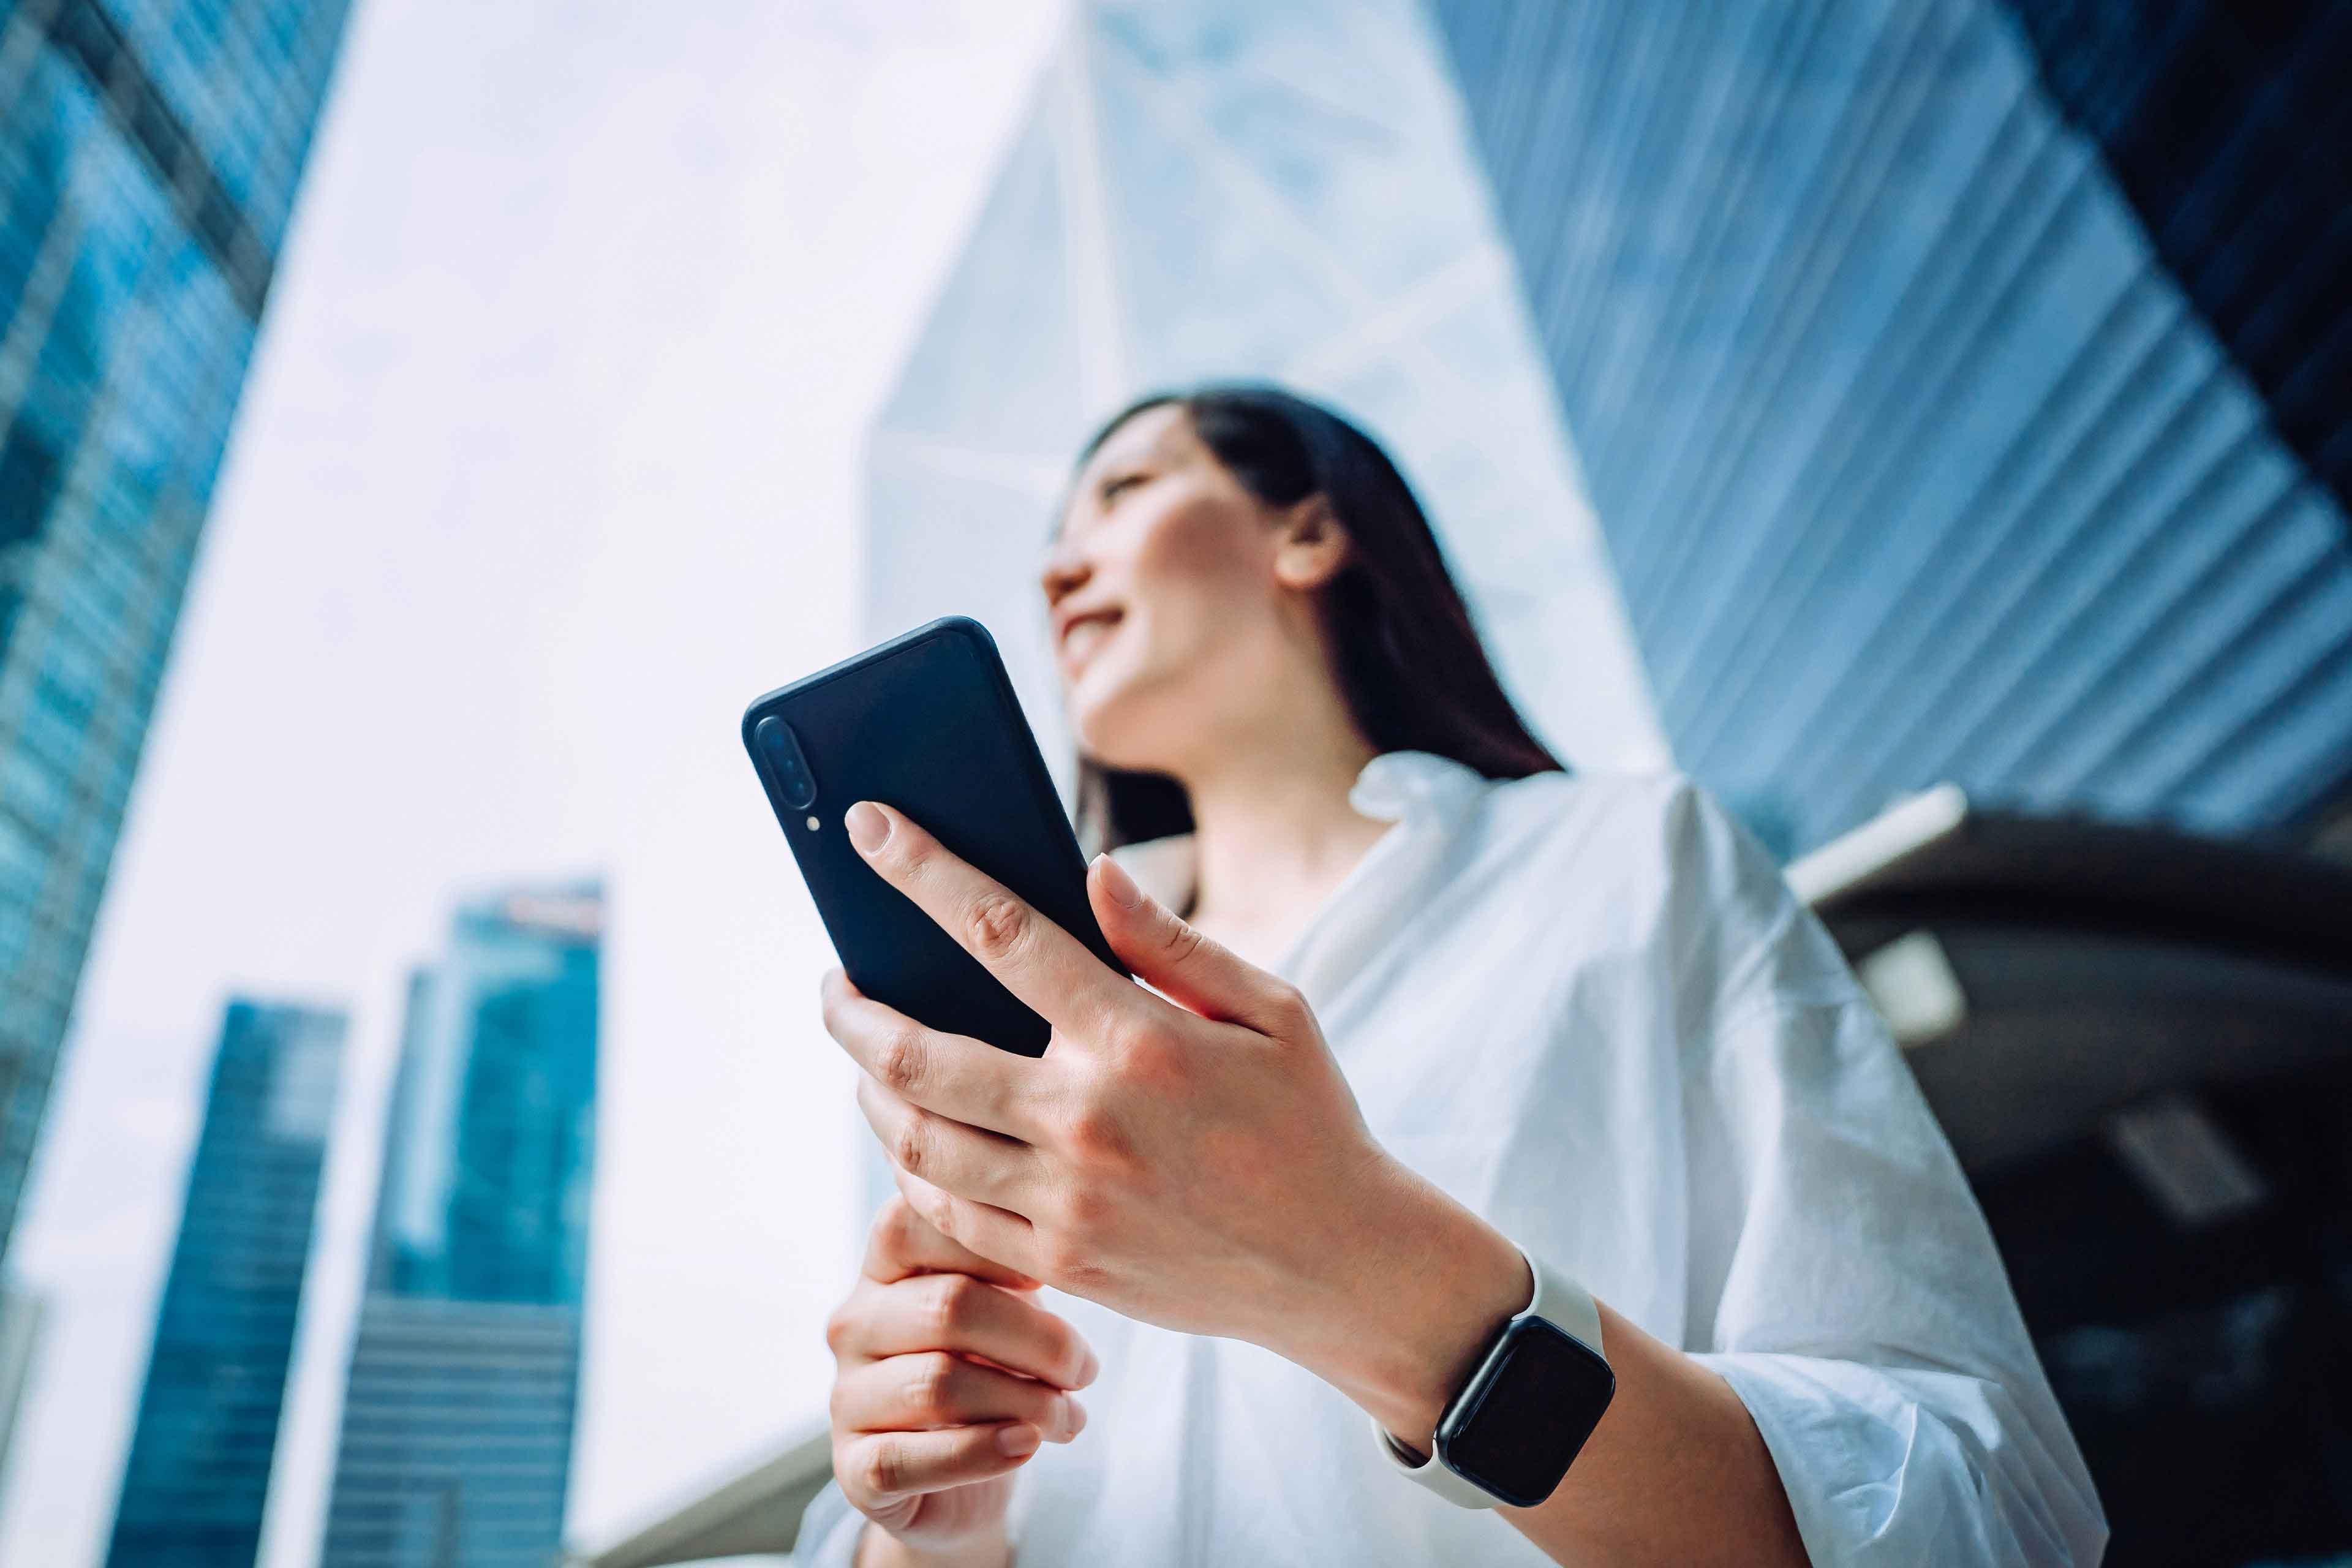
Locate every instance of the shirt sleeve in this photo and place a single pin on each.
(1844, 1280)
(829, 1531)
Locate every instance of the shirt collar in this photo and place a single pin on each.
(1398, 786)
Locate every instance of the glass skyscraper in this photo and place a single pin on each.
(149, 151)
(198, 1475)
(1836, 396)
(1175, 205)
(1962, 386)
(458, 1418)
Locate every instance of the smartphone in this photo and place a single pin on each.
(926, 722)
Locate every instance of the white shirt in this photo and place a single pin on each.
(1589, 1007)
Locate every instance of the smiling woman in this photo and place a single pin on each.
(1527, 1115)
(1402, 651)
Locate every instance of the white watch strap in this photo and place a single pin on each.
(1559, 1301)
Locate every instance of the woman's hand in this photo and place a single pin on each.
(948, 1374)
(1194, 1160)
(1200, 1163)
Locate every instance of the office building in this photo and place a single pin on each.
(1174, 206)
(197, 1480)
(458, 1413)
(1919, 391)
(1962, 386)
(149, 151)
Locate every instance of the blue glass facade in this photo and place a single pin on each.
(1833, 398)
(457, 1417)
(1919, 455)
(2225, 125)
(150, 153)
(198, 1474)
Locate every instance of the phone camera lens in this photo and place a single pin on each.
(787, 769)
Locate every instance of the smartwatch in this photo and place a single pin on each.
(1539, 1390)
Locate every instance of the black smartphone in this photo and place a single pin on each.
(926, 722)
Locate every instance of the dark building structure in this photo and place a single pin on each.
(1961, 386)
(149, 151)
(197, 1480)
(2140, 1044)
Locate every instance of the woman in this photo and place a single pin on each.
(1431, 1022)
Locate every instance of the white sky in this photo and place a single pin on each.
(548, 463)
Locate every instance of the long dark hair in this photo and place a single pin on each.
(1408, 661)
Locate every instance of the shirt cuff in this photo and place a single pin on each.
(1902, 1466)
(829, 1531)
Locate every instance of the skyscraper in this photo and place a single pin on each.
(149, 155)
(1177, 205)
(1962, 386)
(198, 1476)
(458, 1418)
(1837, 396)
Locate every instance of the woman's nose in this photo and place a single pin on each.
(1064, 573)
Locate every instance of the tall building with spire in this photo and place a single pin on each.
(458, 1413)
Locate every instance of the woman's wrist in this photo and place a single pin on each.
(877, 1548)
(1423, 1290)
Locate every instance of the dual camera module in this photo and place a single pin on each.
(786, 767)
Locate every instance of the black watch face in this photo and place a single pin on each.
(1535, 1400)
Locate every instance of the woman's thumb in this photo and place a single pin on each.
(1167, 952)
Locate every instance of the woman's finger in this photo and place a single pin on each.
(932, 1389)
(1036, 960)
(881, 1468)
(987, 1167)
(989, 1231)
(952, 1073)
(904, 1243)
(957, 1312)
(1193, 971)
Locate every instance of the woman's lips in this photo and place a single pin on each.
(1084, 636)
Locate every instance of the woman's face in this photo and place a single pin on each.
(1174, 597)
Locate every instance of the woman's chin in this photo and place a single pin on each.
(1111, 732)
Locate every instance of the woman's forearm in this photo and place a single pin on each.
(1677, 1471)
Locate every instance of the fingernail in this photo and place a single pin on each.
(1119, 884)
(868, 828)
(1016, 1441)
(1076, 1414)
(1089, 1369)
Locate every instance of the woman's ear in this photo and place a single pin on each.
(1310, 546)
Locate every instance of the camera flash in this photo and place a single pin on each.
(812, 824)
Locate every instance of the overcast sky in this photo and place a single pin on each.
(547, 463)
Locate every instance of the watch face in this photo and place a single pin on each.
(1535, 1400)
